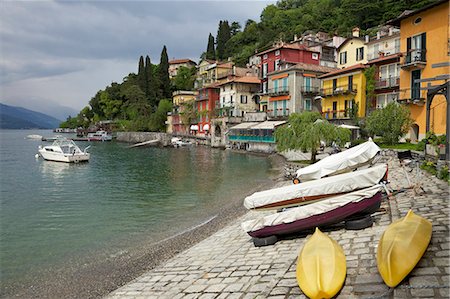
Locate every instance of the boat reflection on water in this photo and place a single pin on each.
(55, 170)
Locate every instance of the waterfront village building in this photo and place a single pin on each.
(293, 89)
(238, 95)
(211, 71)
(383, 52)
(424, 42)
(254, 134)
(175, 64)
(206, 103)
(181, 99)
(344, 93)
(282, 54)
(352, 51)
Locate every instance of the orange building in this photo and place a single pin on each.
(424, 43)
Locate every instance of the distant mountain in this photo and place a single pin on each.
(20, 118)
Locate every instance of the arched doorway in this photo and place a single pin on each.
(414, 133)
(217, 131)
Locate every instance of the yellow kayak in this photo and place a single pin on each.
(401, 247)
(321, 267)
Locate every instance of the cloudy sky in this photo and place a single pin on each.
(60, 53)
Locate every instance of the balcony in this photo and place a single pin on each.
(310, 90)
(278, 113)
(338, 90)
(387, 82)
(281, 91)
(337, 114)
(413, 96)
(414, 59)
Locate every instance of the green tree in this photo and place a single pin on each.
(164, 80)
(141, 76)
(185, 78)
(210, 50)
(223, 35)
(159, 117)
(188, 112)
(151, 89)
(391, 122)
(235, 28)
(369, 73)
(306, 130)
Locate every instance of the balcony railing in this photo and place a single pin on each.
(310, 89)
(251, 138)
(414, 58)
(387, 82)
(278, 113)
(343, 89)
(337, 114)
(281, 91)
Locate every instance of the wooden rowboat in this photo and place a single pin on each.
(401, 247)
(321, 267)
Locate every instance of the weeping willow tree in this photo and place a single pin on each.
(306, 130)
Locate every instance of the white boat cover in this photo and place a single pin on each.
(341, 162)
(307, 211)
(342, 183)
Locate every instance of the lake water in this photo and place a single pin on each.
(55, 213)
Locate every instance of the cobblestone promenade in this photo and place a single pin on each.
(227, 265)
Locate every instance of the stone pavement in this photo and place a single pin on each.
(227, 265)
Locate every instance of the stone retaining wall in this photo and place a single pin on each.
(136, 137)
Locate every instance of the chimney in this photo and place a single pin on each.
(390, 30)
(367, 38)
(295, 37)
(378, 35)
(355, 32)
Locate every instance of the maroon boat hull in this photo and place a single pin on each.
(331, 217)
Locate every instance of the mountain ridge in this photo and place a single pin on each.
(12, 117)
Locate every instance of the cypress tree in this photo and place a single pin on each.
(141, 80)
(223, 35)
(210, 50)
(151, 88)
(164, 81)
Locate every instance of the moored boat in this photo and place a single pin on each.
(99, 136)
(321, 267)
(344, 161)
(326, 212)
(312, 191)
(64, 150)
(401, 247)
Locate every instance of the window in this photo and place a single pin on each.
(243, 99)
(343, 57)
(416, 48)
(277, 52)
(334, 84)
(359, 53)
(276, 65)
(284, 84)
(397, 45)
(315, 56)
(417, 20)
(415, 86)
(265, 56)
(308, 104)
(264, 70)
(231, 99)
(350, 82)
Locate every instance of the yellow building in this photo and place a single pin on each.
(180, 98)
(424, 42)
(352, 51)
(344, 93)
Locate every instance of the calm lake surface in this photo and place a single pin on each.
(54, 214)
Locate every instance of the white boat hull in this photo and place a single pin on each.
(68, 158)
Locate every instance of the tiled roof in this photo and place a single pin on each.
(384, 58)
(178, 61)
(244, 79)
(344, 70)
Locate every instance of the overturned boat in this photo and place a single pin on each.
(312, 191)
(326, 212)
(345, 161)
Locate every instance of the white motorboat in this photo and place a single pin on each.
(64, 150)
(34, 137)
(342, 162)
(177, 142)
(99, 136)
(317, 190)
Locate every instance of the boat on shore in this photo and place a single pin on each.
(313, 191)
(401, 247)
(63, 150)
(99, 136)
(326, 212)
(321, 267)
(342, 162)
(178, 142)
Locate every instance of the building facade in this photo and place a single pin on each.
(352, 51)
(205, 104)
(181, 99)
(424, 42)
(238, 95)
(175, 64)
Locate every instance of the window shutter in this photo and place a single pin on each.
(408, 44)
(423, 46)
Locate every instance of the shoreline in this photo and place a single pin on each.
(96, 280)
